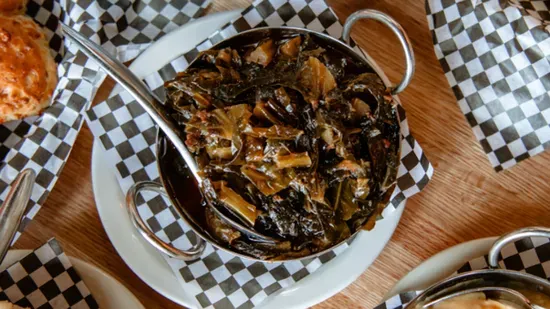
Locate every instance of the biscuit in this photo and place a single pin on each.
(29, 72)
(13, 7)
(7, 305)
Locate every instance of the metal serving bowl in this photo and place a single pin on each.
(167, 154)
(489, 278)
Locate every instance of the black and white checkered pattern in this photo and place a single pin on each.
(529, 255)
(128, 135)
(44, 143)
(45, 279)
(133, 23)
(496, 61)
(539, 9)
(398, 301)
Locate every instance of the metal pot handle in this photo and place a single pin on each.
(397, 29)
(14, 207)
(504, 240)
(186, 255)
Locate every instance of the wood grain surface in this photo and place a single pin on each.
(465, 200)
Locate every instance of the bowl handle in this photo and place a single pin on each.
(397, 29)
(186, 255)
(504, 240)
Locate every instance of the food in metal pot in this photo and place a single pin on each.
(537, 298)
(479, 301)
(473, 301)
(297, 141)
(8, 305)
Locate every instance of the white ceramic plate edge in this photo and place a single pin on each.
(127, 246)
(300, 295)
(106, 290)
(441, 266)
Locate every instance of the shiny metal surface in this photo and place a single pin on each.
(489, 278)
(14, 207)
(190, 254)
(486, 278)
(493, 293)
(500, 243)
(243, 229)
(131, 83)
(399, 32)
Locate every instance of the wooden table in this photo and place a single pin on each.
(465, 200)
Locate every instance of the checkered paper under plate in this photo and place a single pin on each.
(125, 28)
(529, 255)
(540, 9)
(45, 279)
(495, 58)
(128, 136)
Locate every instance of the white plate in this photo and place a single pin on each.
(149, 265)
(106, 290)
(441, 266)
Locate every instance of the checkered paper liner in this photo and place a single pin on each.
(495, 57)
(45, 279)
(528, 255)
(126, 28)
(536, 8)
(128, 135)
(44, 143)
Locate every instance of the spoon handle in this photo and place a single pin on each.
(131, 83)
(13, 209)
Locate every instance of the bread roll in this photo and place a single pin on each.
(28, 71)
(7, 305)
(13, 7)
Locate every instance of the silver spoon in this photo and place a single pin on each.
(13, 209)
(494, 293)
(158, 112)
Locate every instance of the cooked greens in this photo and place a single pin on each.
(299, 142)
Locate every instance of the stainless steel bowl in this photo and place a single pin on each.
(492, 277)
(165, 147)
